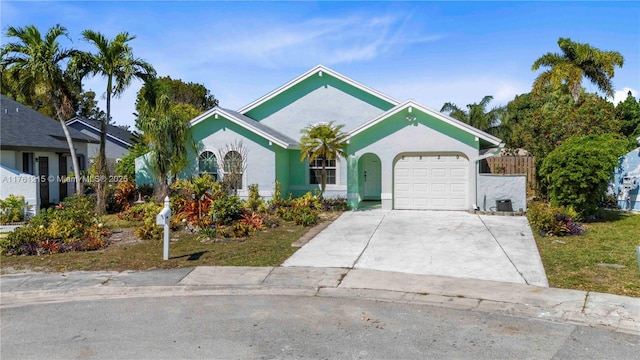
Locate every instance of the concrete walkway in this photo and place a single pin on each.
(443, 243)
(617, 313)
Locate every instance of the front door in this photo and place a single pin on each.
(63, 174)
(371, 177)
(43, 172)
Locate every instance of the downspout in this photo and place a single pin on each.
(488, 154)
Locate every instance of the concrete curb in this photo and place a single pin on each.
(617, 313)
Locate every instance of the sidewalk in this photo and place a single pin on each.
(618, 313)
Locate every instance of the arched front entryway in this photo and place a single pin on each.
(370, 177)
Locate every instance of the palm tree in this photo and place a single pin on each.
(325, 142)
(476, 114)
(577, 61)
(35, 63)
(114, 60)
(166, 132)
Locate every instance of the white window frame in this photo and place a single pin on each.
(216, 175)
(243, 178)
(336, 168)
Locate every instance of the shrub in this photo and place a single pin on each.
(71, 226)
(119, 197)
(554, 220)
(577, 173)
(226, 209)
(12, 209)
(253, 221)
(254, 202)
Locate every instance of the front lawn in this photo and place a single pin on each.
(268, 247)
(578, 262)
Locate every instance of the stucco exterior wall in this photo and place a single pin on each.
(501, 187)
(318, 99)
(629, 168)
(14, 182)
(395, 136)
(113, 150)
(8, 158)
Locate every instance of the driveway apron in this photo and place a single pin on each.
(445, 243)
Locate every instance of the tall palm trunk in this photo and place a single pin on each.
(101, 190)
(323, 181)
(72, 151)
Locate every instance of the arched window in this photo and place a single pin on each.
(233, 169)
(207, 164)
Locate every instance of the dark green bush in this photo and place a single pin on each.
(578, 172)
(226, 209)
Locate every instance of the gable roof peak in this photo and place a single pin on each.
(317, 70)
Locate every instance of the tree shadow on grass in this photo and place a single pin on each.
(191, 257)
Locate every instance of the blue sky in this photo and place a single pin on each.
(432, 52)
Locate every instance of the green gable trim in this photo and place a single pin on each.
(398, 121)
(205, 128)
(311, 83)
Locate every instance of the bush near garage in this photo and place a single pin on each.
(551, 220)
(70, 226)
(578, 172)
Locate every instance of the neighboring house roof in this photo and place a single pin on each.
(318, 69)
(115, 133)
(410, 104)
(249, 124)
(25, 128)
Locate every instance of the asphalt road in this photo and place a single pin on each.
(256, 327)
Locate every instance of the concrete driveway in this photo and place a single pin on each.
(445, 243)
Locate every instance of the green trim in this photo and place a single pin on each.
(398, 122)
(309, 85)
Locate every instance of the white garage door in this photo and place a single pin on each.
(433, 182)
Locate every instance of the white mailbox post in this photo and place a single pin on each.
(163, 219)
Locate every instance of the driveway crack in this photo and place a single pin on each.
(368, 242)
(503, 251)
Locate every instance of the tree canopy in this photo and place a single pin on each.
(477, 115)
(36, 64)
(576, 62)
(113, 60)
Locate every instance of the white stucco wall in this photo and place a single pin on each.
(421, 139)
(501, 187)
(8, 158)
(113, 150)
(260, 162)
(14, 182)
(321, 105)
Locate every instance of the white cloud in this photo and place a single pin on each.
(329, 41)
(621, 95)
(460, 91)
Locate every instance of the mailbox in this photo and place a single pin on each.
(163, 217)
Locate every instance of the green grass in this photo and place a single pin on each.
(571, 262)
(262, 248)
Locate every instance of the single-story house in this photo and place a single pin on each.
(627, 180)
(402, 154)
(34, 155)
(118, 142)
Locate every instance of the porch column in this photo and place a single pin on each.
(352, 182)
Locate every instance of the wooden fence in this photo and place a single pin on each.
(512, 165)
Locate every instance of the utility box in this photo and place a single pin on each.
(504, 205)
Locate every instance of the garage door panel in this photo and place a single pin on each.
(458, 188)
(458, 172)
(439, 172)
(431, 182)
